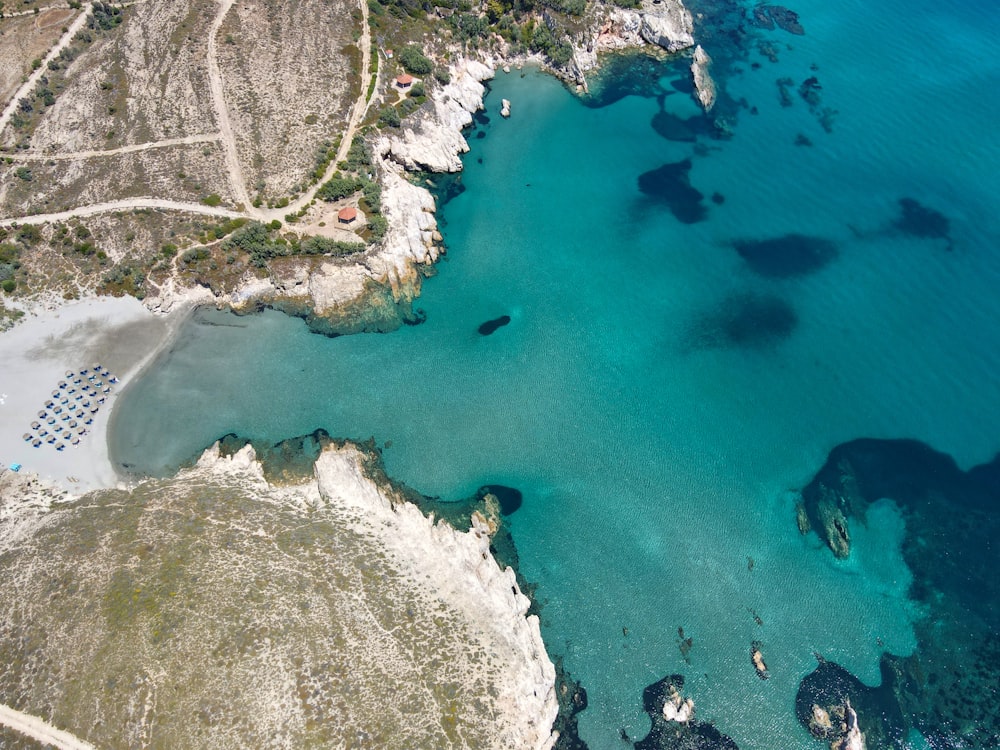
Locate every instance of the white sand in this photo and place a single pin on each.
(118, 333)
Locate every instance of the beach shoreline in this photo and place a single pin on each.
(120, 334)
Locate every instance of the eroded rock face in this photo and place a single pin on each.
(672, 29)
(218, 610)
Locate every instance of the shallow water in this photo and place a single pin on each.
(656, 397)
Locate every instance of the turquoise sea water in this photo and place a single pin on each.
(656, 399)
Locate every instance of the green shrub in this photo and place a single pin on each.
(8, 285)
(389, 117)
(326, 246)
(338, 187)
(212, 200)
(412, 58)
(194, 255)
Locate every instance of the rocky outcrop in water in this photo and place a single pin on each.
(704, 86)
(674, 726)
(838, 708)
(217, 609)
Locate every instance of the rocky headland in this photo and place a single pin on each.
(375, 291)
(220, 609)
(666, 25)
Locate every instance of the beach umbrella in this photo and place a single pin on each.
(62, 383)
(51, 420)
(35, 425)
(93, 409)
(78, 396)
(101, 399)
(36, 442)
(75, 441)
(76, 380)
(70, 373)
(49, 404)
(55, 394)
(57, 410)
(59, 446)
(27, 437)
(84, 371)
(41, 414)
(97, 367)
(72, 423)
(51, 439)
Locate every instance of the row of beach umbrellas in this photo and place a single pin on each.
(75, 401)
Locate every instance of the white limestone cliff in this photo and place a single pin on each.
(433, 142)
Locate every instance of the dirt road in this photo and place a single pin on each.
(40, 731)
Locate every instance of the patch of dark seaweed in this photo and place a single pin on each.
(492, 325)
(671, 184)
(673, 128)
(744, 321)
(786, 256)
(918, 220)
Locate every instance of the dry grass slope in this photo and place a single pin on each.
(218, 612)
(185, 173)
(24, 39)
(145, 81)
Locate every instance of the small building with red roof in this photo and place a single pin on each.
(347, 215)
(404, 81)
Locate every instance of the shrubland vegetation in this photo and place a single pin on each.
(105, 18)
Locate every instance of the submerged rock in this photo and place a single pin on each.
(787, 20)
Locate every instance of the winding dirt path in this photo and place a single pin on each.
(40, 731)
(126, 204)
(236, 180)
(185, 141)
(225, 136)
(32, 82)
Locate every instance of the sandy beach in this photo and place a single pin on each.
(120, 335)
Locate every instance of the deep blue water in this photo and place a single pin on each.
(683, 351)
